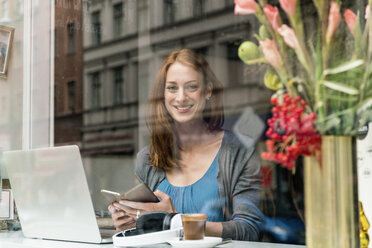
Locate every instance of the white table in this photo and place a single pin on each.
(16, 240)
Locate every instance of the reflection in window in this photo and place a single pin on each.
(118, 19)
(169, 11)
(56, 44)
(235, 67)
(96, 90)
(71, 96)
(199, 7)
(71, 37)
(96, 25)
(69, 4)
(229, 3)
(118, 85)
(143, 15)
(55, 100)
(19, 6)
(5, 9)
(202, 50)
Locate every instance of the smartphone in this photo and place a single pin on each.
(139, 193)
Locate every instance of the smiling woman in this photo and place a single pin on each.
(185, 94)
(192, 164)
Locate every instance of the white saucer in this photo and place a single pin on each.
(202, 243)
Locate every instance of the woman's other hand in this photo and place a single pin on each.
(136, 209)
(122, 221)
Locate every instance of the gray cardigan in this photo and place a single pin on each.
(239, 186)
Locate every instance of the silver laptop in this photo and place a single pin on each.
(52, 196)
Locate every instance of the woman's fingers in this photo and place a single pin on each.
(160, 194)
(123, 221)
(127, 209)
(134, 205)
(118, 215)
(136, 209)
(166, 202)
(111, 209)
(126, 226)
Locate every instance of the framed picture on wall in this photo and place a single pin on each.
(6, 38)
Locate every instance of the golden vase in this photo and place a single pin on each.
(331, 195)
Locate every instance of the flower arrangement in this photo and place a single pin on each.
(325, 70)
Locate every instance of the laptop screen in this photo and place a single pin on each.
(51, 194)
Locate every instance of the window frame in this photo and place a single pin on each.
(118, 17)
(169, 9)
(96, 27)
(118, 83)
(71, 38)
(71, 97)
(95, 90)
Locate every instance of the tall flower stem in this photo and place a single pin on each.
(286, 73)
(368, 58)
(297, 24)
(318, 94)
(323, 45)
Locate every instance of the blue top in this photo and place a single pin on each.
(238, 181)
(200, 197)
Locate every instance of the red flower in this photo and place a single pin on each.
(245, 7)
(291, 132)
(334, 20)
(289, 6)
(289, 36)
(350, 19)
(367, 12)
(271, 52)
(272, 14)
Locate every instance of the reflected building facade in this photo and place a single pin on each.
(68, 73)
(119, 48)
(125, 42)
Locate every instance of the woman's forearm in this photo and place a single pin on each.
(213, 229)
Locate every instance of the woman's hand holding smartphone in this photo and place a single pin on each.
(125, 213)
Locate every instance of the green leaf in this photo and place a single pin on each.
(341, 87)
(348, 118)
(365, 117)
(358, 37)
(344, 67)
(342, 98)
(334, 122)
(363, 106)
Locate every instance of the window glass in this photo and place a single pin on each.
(96, 90)
(96, 26)
(118, 85)
(71, 96)
(143, 15)
(102, 86)
(198, 7)
(118, 19)
(5, 9)
(71, 37)
(169, 11)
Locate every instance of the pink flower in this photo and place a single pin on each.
(289, 36)
(367, 12)
(350, 19)
(245, 7)
(334, 20)
(289, 6)
(271, 52)
(272, 14)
